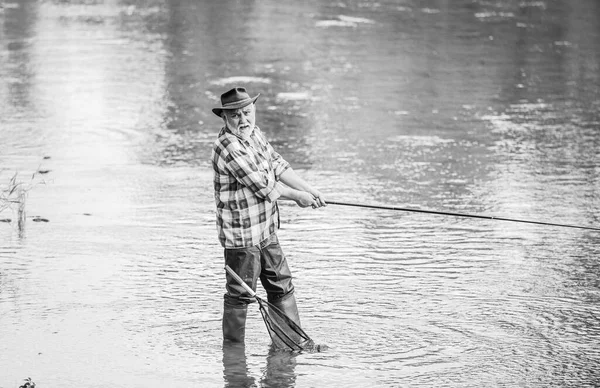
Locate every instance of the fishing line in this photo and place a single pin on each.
(405, 209)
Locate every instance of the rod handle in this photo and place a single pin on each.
(239, 280)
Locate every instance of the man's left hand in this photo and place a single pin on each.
(319, 199)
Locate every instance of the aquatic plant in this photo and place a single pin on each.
(14, 197)
(28, 383)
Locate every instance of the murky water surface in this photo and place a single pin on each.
(466, 106)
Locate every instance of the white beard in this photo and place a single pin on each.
(243, 133)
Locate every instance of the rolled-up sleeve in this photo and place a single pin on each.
(279, 163)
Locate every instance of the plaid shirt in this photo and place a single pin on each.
(246, 181)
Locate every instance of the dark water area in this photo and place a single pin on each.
(478, 107)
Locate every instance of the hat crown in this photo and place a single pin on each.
(234, 96)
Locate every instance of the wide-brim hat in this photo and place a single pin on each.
(235, 98)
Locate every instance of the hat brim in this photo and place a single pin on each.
(239, 105)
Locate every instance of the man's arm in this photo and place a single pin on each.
(236, 161)
(241, 166)
(300, 191)
(294, 181)
(302, 198)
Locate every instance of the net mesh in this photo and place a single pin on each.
(284, 332)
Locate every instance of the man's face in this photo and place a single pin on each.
(241, 121)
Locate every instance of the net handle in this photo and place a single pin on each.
(239, 280)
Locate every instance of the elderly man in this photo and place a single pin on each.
(249, 178)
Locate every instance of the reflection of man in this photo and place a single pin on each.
(235, 366)
(280, 370)
(248, 177)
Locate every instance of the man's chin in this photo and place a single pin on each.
(245, 131)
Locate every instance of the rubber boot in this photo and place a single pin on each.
(234, 322)
(287, 304)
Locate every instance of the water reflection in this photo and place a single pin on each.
(18, 34)
(279, 371)
(235, 366)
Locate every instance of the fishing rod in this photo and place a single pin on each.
(369, 206)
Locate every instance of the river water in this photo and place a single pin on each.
(470, 106)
